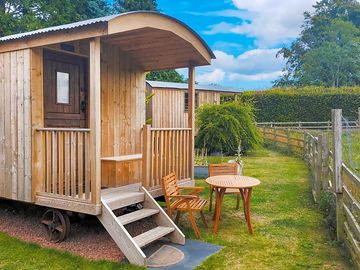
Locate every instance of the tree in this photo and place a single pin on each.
(165, 76)
(327, 53)
(222, 127)
(133, 5)
(18, 16)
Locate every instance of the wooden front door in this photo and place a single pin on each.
(65, 90)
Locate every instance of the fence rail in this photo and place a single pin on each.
(328, 173)
(165, 151)
(326, 125)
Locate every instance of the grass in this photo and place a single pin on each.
(18, 255)
(289, 230)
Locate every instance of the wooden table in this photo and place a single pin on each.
(243, 183)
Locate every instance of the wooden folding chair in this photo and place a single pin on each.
(189, 202)
(224, 169)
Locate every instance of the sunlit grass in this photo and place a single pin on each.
(289, 229)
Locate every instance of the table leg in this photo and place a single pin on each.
(242, 192)
(219, 198)
(247, 198)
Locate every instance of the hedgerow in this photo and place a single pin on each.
(302, 104)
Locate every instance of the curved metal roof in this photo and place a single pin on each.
(98, 21)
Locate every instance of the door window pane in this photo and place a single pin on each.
(62, 90)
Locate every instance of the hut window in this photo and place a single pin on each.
(187, 101)
(62, 88)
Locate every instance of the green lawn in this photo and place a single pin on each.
(289, 230)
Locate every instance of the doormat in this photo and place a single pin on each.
(195, 252)
(165, 256)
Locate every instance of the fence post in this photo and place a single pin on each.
(337, 135)
(305, 146)
(325, 161)
(318, 168)
(288, 140)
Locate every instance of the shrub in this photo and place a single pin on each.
(302, 104)
(221, 128)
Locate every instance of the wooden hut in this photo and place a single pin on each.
(169, 104)
(72, 121)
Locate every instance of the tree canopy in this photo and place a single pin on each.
(133, 5)
(18, 16)
(165, 76)
(327, 52)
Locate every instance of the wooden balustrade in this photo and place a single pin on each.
(164, 151)
(66, 163)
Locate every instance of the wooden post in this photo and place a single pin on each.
(325, 161)
(288, 140)
(337, 146)
(146, 154)
(318, 168)
(191, 117)
(95, 119)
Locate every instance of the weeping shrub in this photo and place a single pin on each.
(222, 127)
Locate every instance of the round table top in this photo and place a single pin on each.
(232, 181)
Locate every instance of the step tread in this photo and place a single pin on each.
(123, 199)
(137, 215)
(152, 235)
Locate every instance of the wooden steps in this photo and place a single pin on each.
(137, 215)
(117, 198)
(152, 235)
(123, 199)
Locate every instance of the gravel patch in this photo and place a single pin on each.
(88, 238)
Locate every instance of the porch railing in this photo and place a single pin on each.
(64, 163)
(165, 150)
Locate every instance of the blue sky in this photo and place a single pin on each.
(244, 35)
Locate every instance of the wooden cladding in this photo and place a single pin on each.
(15, 126)
(66, 162)
(165, 151)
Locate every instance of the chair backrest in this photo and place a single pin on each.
(223, 169)
(170, 187)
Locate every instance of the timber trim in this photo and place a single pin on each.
(67, 203)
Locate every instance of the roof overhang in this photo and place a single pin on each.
(155, 41)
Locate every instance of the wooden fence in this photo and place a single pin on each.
(326, 125)
(328, 174)
(165, 150)
(65, 163)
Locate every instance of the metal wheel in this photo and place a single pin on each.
(57, 225)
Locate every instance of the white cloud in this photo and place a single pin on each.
(255, 77)
(214, 77)
(250, 62)
(270, 22)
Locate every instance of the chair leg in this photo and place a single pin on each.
(237, 201)
(203, 218)
(177, 217)
(211, 198)
(193, 224)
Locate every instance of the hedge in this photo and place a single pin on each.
(302, 104)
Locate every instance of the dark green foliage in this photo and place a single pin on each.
(222, 127)
(327, 204)
(327, 52)
(25, 15)
(169, 75)
(303, 104)
(133, 5)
